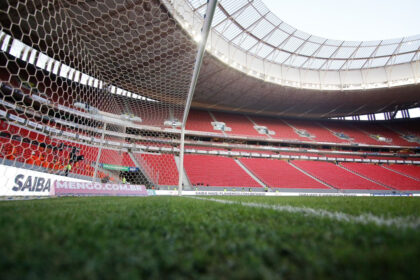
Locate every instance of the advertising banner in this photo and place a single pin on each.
(118, 167)
(230, 193)
(151, 192)
(23, 182)
(237, 193)
(93, 188)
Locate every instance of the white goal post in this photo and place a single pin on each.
(211, 7)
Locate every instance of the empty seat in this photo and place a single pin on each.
(336, 176)
(200, 121)
(239, 124)
(216, 171)
(280, 174)
(159, 168)
(410, 170)
(387, 177)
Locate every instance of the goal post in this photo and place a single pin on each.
(211, 7)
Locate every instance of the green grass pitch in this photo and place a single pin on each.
(186, 238)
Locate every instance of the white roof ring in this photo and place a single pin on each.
(246, 35)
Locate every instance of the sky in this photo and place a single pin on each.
(351, 20)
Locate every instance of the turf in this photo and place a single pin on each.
(381, 206)
(179, 238)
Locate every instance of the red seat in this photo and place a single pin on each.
(336, 176)
(387, 177)
(280, 174)
(161, 168)
(216, 171)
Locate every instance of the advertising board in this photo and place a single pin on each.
(94, 188)
(23, 182)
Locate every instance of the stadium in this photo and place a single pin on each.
(203, 139)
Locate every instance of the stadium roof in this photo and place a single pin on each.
(235, 76)
(256, 63)
(253, 28)
(249, 37)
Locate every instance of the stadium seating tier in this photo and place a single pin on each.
(216, 171)
(384, 176)
(280, 174)
(336, 176)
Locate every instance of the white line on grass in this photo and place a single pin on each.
(399, 222)
(15, 198)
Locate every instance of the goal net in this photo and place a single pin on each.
(94, 90)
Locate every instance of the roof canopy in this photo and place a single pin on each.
(247, 36)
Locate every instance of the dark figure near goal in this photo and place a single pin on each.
(67, 169)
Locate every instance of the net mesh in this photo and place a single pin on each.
(93, 89)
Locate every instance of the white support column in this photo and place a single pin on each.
(98, 157)
(211, 7)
